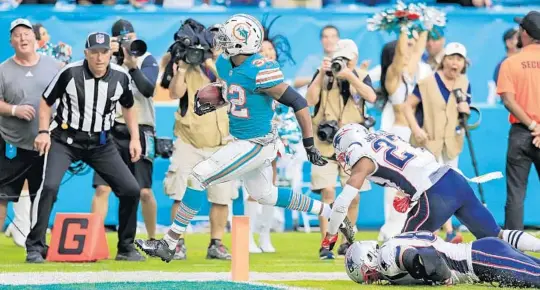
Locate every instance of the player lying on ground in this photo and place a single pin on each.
(422, 257)
(435, 190)
(252, 83)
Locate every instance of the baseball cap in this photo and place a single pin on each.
(122, 27)
(98, 40)
(346, 48)
(530, 23)
(509, 34)
(19, 22)
(455, 48)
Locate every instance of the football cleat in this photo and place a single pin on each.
(347, 229)
(156, 248)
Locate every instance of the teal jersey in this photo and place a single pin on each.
(250, 111)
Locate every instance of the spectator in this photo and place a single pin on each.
(436, 129)
(329, 38)
(23, 78)
(519, 89)
(144, 71)
(400, 70)
(435, 47)
(198, 137)
(475, 3)
(339, 98)
(510, 40)
(61, 51)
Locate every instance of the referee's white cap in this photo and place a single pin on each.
(19, 22)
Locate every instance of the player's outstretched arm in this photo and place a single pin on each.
(360, 171)
(286, 95)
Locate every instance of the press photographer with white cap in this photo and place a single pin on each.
(443, 97)
(23, 78)
(338, 93)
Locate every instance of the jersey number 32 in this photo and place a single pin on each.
(391, 155)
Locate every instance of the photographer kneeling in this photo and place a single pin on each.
(338, 93)
(192, 61)
(143, 69)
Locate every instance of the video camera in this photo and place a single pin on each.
(134, 47)
(192, 45)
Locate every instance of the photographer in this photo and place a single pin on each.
(193, 66)
(143, 69)
(338, 93)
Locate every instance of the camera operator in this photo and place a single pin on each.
(144, 70)
(338, 93)
(198, 137)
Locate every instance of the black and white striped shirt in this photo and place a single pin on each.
(88, 104)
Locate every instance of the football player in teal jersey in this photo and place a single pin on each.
(249, 83)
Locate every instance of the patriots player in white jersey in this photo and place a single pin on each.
(422, 257)
(435, 191)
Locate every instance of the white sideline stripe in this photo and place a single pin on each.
(40, 278)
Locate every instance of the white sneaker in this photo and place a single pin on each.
(253, 248)
(18, 238)
(266, 243)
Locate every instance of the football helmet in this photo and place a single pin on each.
(361, 262)
(240, 34)
(345, 136)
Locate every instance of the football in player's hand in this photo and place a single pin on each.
(211, 94)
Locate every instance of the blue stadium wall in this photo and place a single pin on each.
(479, 30)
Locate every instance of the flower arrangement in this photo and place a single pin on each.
(412, 19)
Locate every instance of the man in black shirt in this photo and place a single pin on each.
(88, 91)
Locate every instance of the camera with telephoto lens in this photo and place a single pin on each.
(134, 47)
(327, 130)
(193, 44)
(336, 66)
(368, 122)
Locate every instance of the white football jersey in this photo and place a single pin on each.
(398, 164)
(458, 257)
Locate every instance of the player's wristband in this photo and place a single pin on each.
(308, 142)
(532, 125)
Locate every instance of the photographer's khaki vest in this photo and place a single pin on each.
(206, 131)
(441, 118)
(333, 108)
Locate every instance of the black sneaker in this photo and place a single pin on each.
(131, 256)
(34, 257)
(156, 248)
(325, 254)
(342, 250)
(218, 251)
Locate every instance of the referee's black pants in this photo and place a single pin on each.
(106, 161)
(519, 157)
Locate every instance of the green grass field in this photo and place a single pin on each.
(296, 252)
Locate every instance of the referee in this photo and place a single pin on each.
(88, 91)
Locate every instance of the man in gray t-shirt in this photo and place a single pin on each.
(23, 78)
